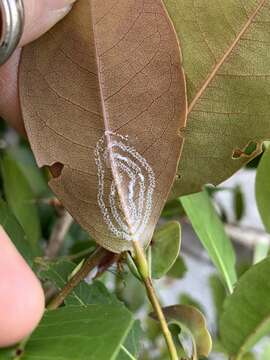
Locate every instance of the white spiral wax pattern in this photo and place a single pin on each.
(135, 174)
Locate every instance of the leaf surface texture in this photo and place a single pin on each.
(103, 94)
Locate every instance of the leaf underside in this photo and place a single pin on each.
(246, 316)
(226, 57)
(82, 80)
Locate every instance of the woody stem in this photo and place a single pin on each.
(143, 268)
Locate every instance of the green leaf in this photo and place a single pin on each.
(186, 299)
(15, 231)
(76, 269)
(80, 332)
(131, 291)
(176, 334)
(172, 208)
(246, 316)
(26, 161)
(248, 356)
(219, 348)
(210, 230)
(218, 292)
(191, 321)
(261, 251)
(265, 355)
(226, 58)
(85, 294)
(80, 249)
(58, 273)
(239, 203)
(132, 343)
(263, 188)
(21, 199)
(165, 247)
(7, 354)
(178, 270)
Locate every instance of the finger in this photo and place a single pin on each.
(21, 295)
(9, 97)
(40, 16)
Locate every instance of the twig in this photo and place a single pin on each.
(21, 347)
(106, 263)
(94, 260)
(143, 268)
(247, 236)
(59, 232)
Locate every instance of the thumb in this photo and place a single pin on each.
(41, 15)
(21, 295)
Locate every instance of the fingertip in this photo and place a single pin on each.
(22, 300)
(9, 96)
(40, 16)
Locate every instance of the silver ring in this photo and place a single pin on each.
(12, 23)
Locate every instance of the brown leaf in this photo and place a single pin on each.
(193, 323)
(103, 94)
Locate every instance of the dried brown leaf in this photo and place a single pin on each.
(110, 70)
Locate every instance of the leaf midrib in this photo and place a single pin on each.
(222, 265)
(225, 56)
(107, 130)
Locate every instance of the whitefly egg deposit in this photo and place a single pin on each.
(127, 215)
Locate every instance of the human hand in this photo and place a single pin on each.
(21, 295)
